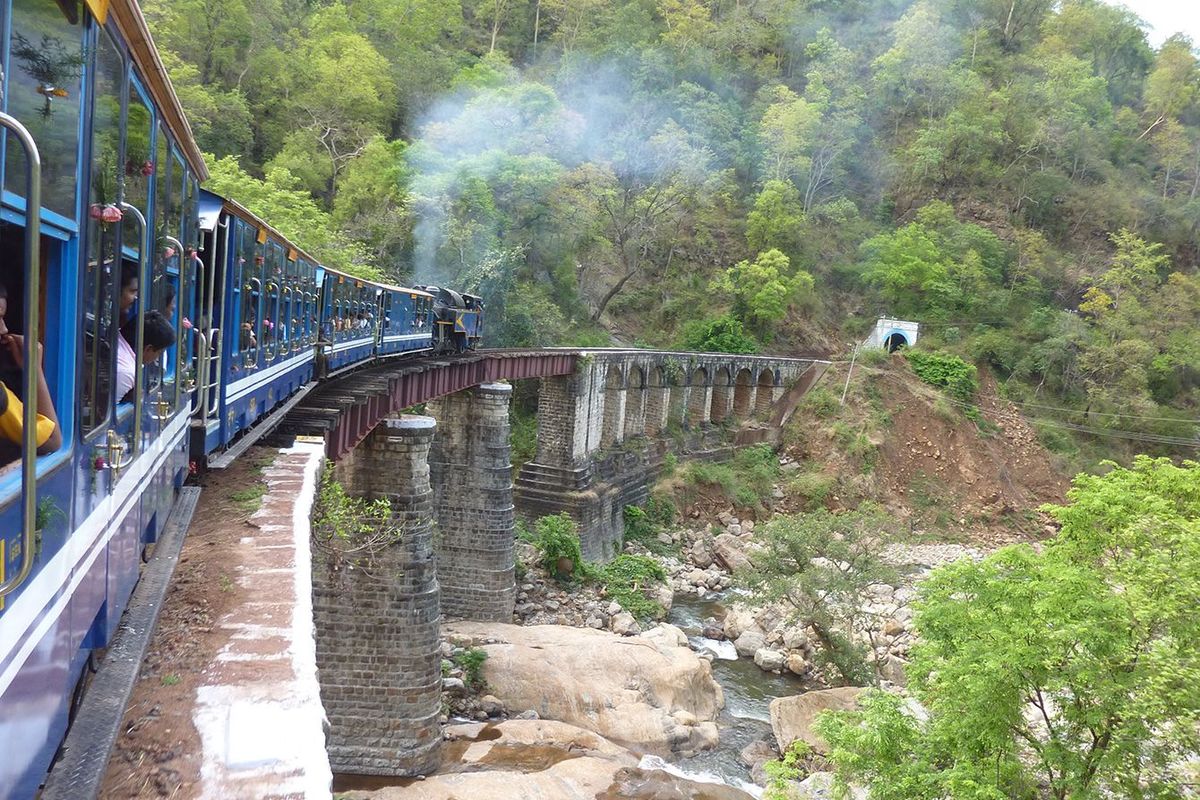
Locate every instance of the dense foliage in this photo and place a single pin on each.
(1021, 176)
(820, 564)
(1071, 673)
(948, 372)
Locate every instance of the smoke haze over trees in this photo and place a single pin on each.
(1021, 176)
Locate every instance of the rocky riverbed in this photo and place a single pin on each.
(582, 700)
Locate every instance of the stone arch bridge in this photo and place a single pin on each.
(606, 418)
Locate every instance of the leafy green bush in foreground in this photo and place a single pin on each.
(1072, 673)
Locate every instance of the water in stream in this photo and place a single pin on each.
(748, 695)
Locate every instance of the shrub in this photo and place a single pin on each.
(522, 438)
(945, 371)
(471, 661)
(813, 486)
(661, 510)
(873, 356)
(1070, 673)
(821, 402)
(556, 536)
(747, 480)
(625, 579)
(724, 334)
(788, 769)
(821, 564)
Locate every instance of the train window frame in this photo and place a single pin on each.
(14, 202)
(102, 40)
(248, 256)
(134, 88)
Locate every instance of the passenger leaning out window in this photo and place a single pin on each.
(158, 336)
(12, 376)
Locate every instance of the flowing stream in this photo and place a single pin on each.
(748, 695)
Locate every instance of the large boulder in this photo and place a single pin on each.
(530, 759)
(628, 689)
(750, 642)
(792, 717)
(729, 552)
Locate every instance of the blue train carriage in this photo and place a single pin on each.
(458, 320)
(258, 295)
(98, 229)
(350, 318)
(405, 321)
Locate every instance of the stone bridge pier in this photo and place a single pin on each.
(603, 429)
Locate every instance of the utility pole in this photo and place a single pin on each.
(849, 372)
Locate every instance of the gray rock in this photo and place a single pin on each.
(595, 622)
(624, 624)
(491, 705)
(770, 660)
(700, 555)
(795, 639)
(728, 550)
(454, 687)
(749, 643)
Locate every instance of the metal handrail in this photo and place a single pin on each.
(171, 240)
(33, 279)
(143, 256)
(272, 350)
(286, 291)
(209, 316)
(258, 320)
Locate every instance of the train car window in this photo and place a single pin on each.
(188, 236)
(100, 275)
(164, 277)
(339, 310)
(139, 160)
(44, 91)
(272, 322)
(286, 313)
(249, 324)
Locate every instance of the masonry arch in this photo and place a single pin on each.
(614, 407)
(658, 395)
(697, 411)
(895, 340)
(720, 396)
(635, 403)
(765, 392)
(743, 393)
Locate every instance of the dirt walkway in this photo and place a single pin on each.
(158, 753)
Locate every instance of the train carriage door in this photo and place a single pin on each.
(209, 322)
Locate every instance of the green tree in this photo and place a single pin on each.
(1074, 673)
(820, 564)
(292, 211)
(725, 334)
(765, 288)
(777, 219)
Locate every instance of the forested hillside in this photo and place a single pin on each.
(1022, 176)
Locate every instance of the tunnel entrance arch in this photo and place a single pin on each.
(894, 341)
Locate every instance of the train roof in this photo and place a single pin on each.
(405, 289)
(211, 205)
(128, 18)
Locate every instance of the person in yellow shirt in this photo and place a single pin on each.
(12, 368)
